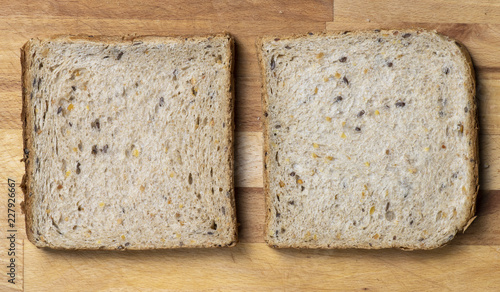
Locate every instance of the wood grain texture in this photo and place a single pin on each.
(470, 262)
(248, 109)
(451, 11)
(228, 11)
(488, 98)
(256, 267)
(248, 159)
(251, 211)
(11, 153)
(489, 169)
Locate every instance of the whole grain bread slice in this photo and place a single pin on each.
(370, 139)
(128, 142)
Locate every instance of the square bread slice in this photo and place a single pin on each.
(128, 142)
(370, 139)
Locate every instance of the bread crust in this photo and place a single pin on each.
(265, 148)
(471, 125)
(26, 119)
(28, 133)
(230, 129)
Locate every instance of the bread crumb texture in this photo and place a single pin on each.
(371, 139)
(123, 142)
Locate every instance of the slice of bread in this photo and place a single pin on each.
(129, 142)
(370, 139)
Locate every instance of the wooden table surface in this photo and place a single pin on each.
(470, 263)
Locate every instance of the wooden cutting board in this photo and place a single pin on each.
(470, 262)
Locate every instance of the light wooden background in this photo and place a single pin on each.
(470, 263)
